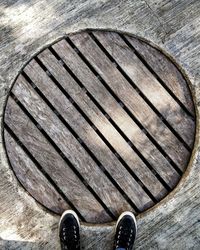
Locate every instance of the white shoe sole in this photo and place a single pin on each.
(69, 212)
(122, 215)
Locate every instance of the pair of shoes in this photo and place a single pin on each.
(125, 232)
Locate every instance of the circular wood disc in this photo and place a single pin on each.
(99, 122)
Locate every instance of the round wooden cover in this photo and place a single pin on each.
(99, 122)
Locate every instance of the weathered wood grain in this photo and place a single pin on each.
(132, 100)
(69, 146)
(117, 113)
(100, 121)
(89, 136)
(148, 85)
(166, 70)
(32, 179)
(53, 164)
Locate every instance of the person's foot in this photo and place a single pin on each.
(69, 231)
(126, 229)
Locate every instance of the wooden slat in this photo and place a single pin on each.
(115, 111)
(102, 124)
(26, 171)
(69, 146)
(88, 135)
(53, 164)
(166, 70)
(148, 84)
(132, 100)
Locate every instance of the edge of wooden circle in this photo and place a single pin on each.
(187, 171)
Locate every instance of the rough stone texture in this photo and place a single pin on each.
(26, 26)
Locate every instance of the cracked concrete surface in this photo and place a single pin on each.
(26, 26)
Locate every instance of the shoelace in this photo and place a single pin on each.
(124, 237)
(69, 236)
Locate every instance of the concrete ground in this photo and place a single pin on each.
(26, 26)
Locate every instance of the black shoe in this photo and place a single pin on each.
(69, 231)
(126, 229)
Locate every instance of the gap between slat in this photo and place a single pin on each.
(84, 145)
